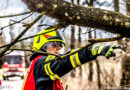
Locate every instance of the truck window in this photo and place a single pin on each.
(13, 59)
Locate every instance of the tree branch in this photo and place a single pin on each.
(121, 55)
(104, 39)
(70, 13)
(21, 34)
(15, 15)
(16, 49)
(16, 22)
(79, 49)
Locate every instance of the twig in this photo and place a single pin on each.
(15, 15)
(8, 52)
(16, 22)
(44, 25)
(22, 33)
(35, 51)
(121, 55)
(105, 39)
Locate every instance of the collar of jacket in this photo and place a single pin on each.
(35, 55)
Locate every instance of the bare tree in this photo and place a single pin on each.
(125, 80)
(72, 45)
(90, 76)
(79, 45)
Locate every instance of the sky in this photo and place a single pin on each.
(16, 6)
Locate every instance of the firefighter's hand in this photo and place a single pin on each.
(107, 51)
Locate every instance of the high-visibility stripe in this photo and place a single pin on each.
(45, 66)
(48, 69)
(51, 74)
(74, 59)
(77, 59)
(100, 49)
(94, 50)
(55, 76)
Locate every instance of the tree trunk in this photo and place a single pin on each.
(125, 80)
(23, 45)
(90, 76)
(72, 45)
(79, 45)
(116, 5)
(78, 15)
(98, 70)
(98, 74)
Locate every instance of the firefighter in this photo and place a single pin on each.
(48, 76)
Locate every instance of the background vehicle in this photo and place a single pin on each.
(13, 65)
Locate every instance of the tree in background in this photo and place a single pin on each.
(125, 80)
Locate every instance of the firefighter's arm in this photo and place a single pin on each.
(56, 69)
(60, 67)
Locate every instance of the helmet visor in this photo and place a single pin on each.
(54, 44)
(58, 46)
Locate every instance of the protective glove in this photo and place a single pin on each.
(107, 51)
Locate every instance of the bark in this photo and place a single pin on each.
(78, 15)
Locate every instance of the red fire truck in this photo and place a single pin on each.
(13, 65)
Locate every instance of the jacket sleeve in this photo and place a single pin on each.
(60, 67)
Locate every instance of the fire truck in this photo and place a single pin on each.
(13, 65)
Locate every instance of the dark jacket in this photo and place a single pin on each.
(47, 77)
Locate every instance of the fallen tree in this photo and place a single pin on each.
(68, 13)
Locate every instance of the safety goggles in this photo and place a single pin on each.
(53, 44)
